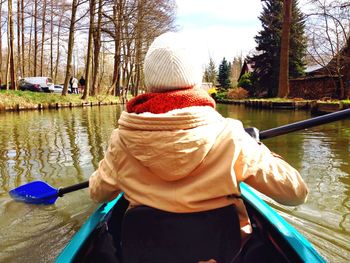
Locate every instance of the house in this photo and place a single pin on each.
(313, 69)
(246, 68)
(330, 81)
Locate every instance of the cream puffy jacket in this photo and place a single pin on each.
(188, 160)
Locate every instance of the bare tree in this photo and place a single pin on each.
(236, 66)
(0, 42)
(70, 46)
(58, 47)
(43, 25)
(23, 40)
(113, 28)
(118, 18)
(51, 38)
(329, 44)
(35, 56)
(19, 66)
(30, 46)
(138, 46)
(7, 73)
(89, 50)
(124, 28)
(97, 48)
(11, 46)
(132, 25)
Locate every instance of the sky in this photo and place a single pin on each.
(225, 28)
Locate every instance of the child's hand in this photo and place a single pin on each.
(253, 132)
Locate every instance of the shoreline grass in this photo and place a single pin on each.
(10, 98)
(27, 99)
(335, 101)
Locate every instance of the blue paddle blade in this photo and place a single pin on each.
(36, 192)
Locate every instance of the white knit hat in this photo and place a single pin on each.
(171, 64)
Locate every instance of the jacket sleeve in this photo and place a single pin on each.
(269, 173)
(103, 184)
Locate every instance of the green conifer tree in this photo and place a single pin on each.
(298, 43)
(224, 74)
(266, 61)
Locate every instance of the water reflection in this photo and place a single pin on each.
(321, 154)
(61, 148)
(64, 147)
(49, 146)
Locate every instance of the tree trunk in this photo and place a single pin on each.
(51, 39)
(7, 73)
(89, 51)
(12, 60)
(58, 47)
(283, 87)
(35, 36)
(102, 68)
(19, 64)
(116, 70)
(118, 18)
(30, 46)
(70, 47)
(97, 48)
(0, 43)
(42, 39)
(23, 44)
(138, 62)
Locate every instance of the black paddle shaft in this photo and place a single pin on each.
(300, 125)
(72, 188)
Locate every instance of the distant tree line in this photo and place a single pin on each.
(226, 75)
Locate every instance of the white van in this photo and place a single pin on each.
(37, 84)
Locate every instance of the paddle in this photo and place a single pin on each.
(301, 125)
(39, 192)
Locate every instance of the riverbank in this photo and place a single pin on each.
(26, 100)
(315, 106)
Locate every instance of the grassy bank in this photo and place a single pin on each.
(334, 101)
(15, 100)
(28, 99)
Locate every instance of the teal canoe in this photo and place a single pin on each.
(284, 241)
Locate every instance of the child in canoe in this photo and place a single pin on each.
(174, 152)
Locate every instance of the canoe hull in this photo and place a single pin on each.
(285, 240)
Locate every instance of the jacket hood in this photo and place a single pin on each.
(172, 144)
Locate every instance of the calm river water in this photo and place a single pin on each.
(63, 147)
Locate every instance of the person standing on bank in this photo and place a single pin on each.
(81, 84)
(74, 82)
(71, 84)
(173, 151)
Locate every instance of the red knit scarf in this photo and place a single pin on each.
(167, 101)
